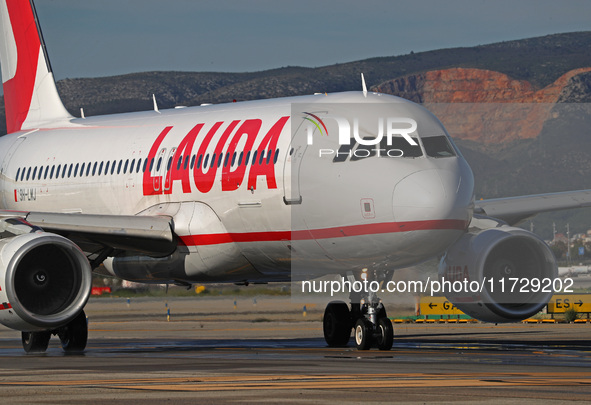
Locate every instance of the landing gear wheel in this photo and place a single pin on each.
(385, 331)
(75, 334)
(363, 334)
(35, 342)
(336, 324)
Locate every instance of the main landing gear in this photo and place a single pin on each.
(367, 318)
(73, 337)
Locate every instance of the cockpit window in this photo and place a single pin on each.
(400, 148)
(438, 146)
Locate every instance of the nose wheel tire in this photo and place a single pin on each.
(363, 334)
(385, 335)
(74, 335)
(336, 324)
(35, 342)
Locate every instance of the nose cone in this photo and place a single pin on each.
(432, 194)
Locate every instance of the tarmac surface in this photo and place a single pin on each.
(265, 350)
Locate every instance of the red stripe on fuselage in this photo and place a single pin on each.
(326, 233)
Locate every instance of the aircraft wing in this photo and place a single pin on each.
(151, 235)
(516, 209)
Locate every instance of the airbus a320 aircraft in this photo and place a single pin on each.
(241, 192)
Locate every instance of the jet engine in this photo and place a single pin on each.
(502, 274)
(45, 280)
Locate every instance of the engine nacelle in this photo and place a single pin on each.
(502, 274)
(45, 281)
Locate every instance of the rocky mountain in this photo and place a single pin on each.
(486, 106)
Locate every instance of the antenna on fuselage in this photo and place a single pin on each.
(364, 87)
(155, 104)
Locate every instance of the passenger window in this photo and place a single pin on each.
(186, 162)
(125, 166)
(64, 171)
(247, 158)
(101, 168)
(261, 157)
(159, 163)
(233, 158)
(107, 167)
(76, 170)
(276, 156)
(51, 173)
(240, 158)
(113, 167)
(226, 160)
(94, 168)
(438, 146)
(254, 157)
(169, 163)
(193, 161)
(70, 170)
(17, 173)
(82, 169)
(119, 166)
(199, 162)
(179, 163)
(220, 159)
(269, 154)
(213, 160)
(34, 173)
(205, 161)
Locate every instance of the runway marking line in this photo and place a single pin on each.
(203, 329)
(303, 381)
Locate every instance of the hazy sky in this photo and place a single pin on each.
(89, 38)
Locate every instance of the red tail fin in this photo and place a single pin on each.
(30, 96)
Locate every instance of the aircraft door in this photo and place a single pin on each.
(166, 179)
(291, 168)
(159, 164)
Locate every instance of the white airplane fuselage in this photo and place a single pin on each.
(243, 218)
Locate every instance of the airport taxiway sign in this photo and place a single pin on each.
(559, 303)
(437, 306)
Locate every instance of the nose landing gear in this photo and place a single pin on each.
(366, 317)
